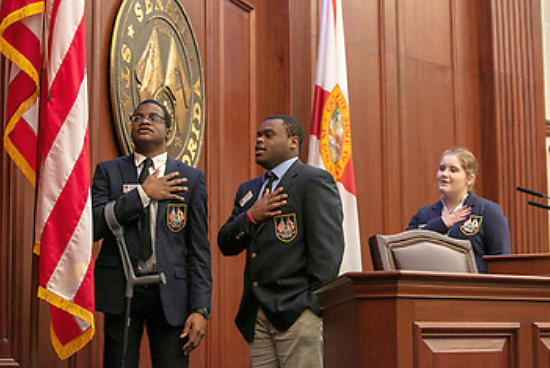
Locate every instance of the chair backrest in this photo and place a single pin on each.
(421, 250)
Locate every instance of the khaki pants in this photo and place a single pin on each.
(301, 346)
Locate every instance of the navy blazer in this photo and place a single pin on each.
(290, 255)
(182, 247)
(486, 227)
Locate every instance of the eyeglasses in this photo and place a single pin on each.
(138, 118)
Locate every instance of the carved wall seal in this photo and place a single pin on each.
(154, 54)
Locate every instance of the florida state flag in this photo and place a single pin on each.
(330, 140)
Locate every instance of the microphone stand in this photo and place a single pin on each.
(540, 205)
(532, 192)
(536, 194)
(131, 278)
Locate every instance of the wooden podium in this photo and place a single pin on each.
(406, 319)
(519, 264)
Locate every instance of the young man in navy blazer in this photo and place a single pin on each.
(289, 221)
(174, 198)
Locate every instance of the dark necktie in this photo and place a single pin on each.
(145, 228)
(270, 178)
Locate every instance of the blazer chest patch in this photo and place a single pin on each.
(286, 227)
(176, 216)
(471, 226)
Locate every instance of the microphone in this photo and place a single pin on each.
(540, 205)
(529, 191)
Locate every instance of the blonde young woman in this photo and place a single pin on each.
(460, 213)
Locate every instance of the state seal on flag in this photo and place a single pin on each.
(335, 134)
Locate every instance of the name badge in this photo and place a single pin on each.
(247, 197)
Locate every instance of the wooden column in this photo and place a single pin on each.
(512, 106)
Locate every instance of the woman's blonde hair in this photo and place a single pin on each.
(467, 161)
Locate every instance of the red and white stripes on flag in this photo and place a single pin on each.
(21, 42)
(63, 220)
(330, 140)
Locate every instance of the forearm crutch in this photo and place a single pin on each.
(131, 278)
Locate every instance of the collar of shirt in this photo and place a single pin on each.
(281, 169)
(159, 161)
(444, 209)
(278, 170)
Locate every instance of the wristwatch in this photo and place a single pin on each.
(203, 311)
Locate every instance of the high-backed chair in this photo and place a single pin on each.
(421, 250)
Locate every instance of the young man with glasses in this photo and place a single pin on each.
(161, 203)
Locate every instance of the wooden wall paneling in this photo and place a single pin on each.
(466, 74)
(103, 139)
(513, 115)
(17, 315)
(18, 294)
(197, 15)
(212, 130)
(534, 82)
(390, 106)
(23, 280)
(362, 33)
(302, 49)
(7, 356)
(271, 63)
(232, 125)
(100, 17)
(427, 97)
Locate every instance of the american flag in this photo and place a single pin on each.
(58, 129)
(330, 140)
(20, 41)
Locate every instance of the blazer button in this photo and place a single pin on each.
(254, 254)
(240, 235)
(255, 284)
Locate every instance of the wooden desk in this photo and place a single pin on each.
(537, 264)
(407, 319)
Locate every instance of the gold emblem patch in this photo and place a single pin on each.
(286, 227)
(154, 55)
(176, 216)
(472, 225)
(335, 135)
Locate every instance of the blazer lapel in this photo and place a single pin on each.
(128, 170)
(286, 182)
(436, 209)
(470, 200)
(256, 186)
(289, 177)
